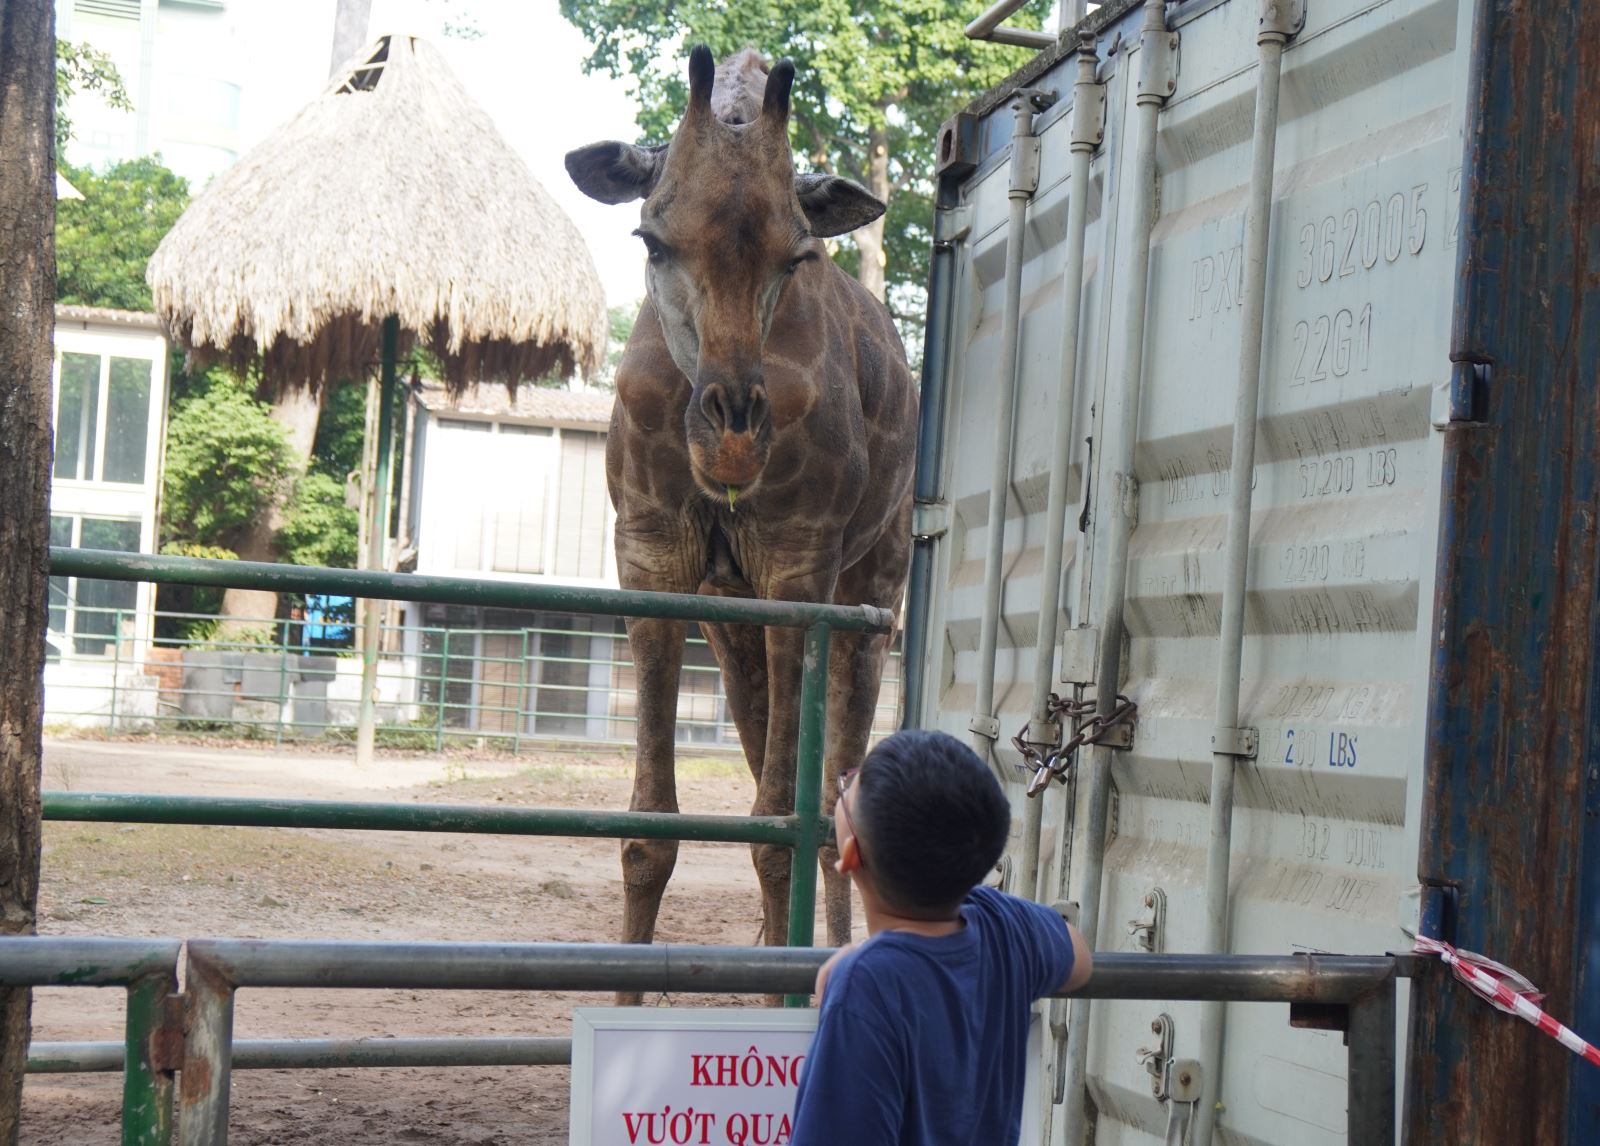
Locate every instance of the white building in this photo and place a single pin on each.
(109, 410)
(179, 61)
(512, 487)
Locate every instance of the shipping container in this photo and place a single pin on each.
(1402, 712)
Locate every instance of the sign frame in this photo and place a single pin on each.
(588, 1022)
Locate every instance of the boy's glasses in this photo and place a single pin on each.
(846, 778)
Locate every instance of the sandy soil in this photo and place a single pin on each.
(190, 882)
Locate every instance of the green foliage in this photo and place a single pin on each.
(104, 240)
(188, 599)
(193, 549)
(81, 68)
(319, 528)
(341, 432)
(861, 66)
(622, 319)
(225, 458)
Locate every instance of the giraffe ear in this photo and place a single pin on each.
(835, 206)
(615, 172)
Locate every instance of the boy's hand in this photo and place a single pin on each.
(822, 972)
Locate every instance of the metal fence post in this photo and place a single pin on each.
(207, 1057)
(148, 1058)
(522, 694)
(444, 684)
(116, 666)
(283, 678)
(808, 791)
(1370, 1043)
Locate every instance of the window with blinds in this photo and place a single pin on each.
(582, 500)
(111, 9)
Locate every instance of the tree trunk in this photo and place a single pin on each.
(27, 323)
(297, 411)
(869, 240)
(349, 31)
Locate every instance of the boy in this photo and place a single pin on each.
(923, 1031)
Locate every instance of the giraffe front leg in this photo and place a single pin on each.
(647, 864)
(855, 678)
(775, 787)
(855, 670)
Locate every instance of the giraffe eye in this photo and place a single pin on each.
(654, 251)
(796, 262)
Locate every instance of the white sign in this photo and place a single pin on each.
(648, 1076)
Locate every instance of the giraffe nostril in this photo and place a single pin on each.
(759, 408)
(715, 406)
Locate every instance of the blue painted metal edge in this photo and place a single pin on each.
(1511, 830)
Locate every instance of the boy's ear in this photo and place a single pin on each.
(849, 856)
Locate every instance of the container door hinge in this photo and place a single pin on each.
(1157, 1060)
(1241, 742)
(1146, 930)
(951, 225)
(1158, 65)
(1088, 99)
(930, 519)
(1463, 399)
(1026, 148)
(1282, 18)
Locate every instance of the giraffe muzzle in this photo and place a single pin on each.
(728, 442)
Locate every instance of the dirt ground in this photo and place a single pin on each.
(107, 879)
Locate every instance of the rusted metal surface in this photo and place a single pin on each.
(1511, 769)
(204, 1082)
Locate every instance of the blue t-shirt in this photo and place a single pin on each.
(922, 1041)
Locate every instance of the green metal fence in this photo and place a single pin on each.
(802, 831)
(147, 1107)
(561, 679)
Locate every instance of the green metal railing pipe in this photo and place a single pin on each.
(461, 590)
(325, 1054)
(148, 1051)
(148, 968)
(492, 819)
(808, 792)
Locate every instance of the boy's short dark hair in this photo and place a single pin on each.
(933, 819)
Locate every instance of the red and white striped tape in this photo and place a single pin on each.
(1507, 991)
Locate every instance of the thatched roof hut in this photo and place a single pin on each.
(392, 193)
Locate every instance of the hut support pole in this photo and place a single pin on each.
(377, 532)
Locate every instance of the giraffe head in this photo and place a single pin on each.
(727, 227)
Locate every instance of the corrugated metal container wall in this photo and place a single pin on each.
(1344, 531)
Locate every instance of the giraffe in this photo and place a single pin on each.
(762, 444)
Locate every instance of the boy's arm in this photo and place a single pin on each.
(1082, 961)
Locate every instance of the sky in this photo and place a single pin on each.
(525, 71)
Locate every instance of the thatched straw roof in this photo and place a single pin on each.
(392, 193)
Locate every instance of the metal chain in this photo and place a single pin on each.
(1058, 761)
